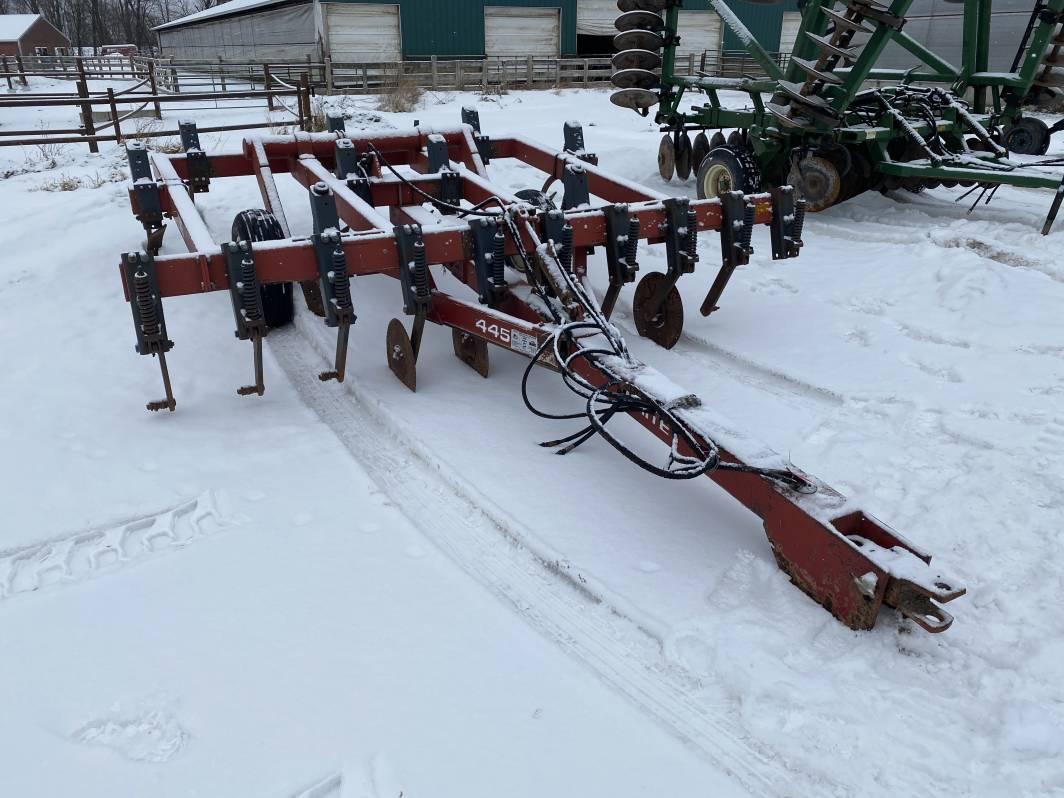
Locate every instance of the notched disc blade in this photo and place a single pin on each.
(636, 59)
(471, 350)
(655, 6)
(638, 40)
(401, 354)
(635, 79)
(636, 99)
(639, 20)
(664, 326)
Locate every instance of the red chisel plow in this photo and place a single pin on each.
(524, 263)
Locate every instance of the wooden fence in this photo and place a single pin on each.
(481, 74)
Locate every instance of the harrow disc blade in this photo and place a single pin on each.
(400, 353)
(638, 40)
(636, 99)
(817, 180)
(842, 21)
(829, 47)
(639, 20)
(809, 68)
(656, 6)
(666, 157)
(636, 59)
(471, 350)
(635, 79)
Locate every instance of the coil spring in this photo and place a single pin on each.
(149, 319)
(566, 254)
(692, 235)
(498, 260)
(341, 282)
(421, 270)
(748, 226)
(250, 300)
(799, 220)
(631, 246)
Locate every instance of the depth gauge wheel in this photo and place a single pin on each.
(664, 326)
(727, 169)
(277, 298)
(666, 157)
(1029, 136)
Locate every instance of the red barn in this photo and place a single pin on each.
(31, 34)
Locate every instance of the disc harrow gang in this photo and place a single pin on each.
(523, 268)
(814, 126)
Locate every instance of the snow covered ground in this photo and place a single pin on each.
(380, 592)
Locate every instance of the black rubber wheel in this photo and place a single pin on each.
(1029, 136)
(277, 298)
(666, 157)
(683, 156)
(727, 169)
(699, 150)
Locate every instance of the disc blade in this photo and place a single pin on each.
(639, 20)
(636, 59)
(635, 79)
(636, 99)
(638, 40)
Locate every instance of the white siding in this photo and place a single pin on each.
(789, 30)
(512, 31)
(358, 32)
(699, 31)
(596, 17)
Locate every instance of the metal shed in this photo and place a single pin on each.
(387, 30)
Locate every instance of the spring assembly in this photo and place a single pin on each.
(341, 282)
(498, 260)
(566, 254)
(250, 300)
(799, 220)
(692, 236)
(748, 227)
(149, 320)
(631, 246)
(421, 270)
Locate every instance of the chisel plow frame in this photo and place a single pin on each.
(368, 194)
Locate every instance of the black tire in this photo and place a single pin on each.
(1029, 136)
(277, 298)
(683, 156)
(726, 164)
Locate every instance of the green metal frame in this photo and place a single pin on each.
(772, 143)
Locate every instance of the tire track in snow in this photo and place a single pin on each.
(498, 554)
(85, 554)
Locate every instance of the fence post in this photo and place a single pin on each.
(365, 78)
(114, 114)
(221, 72)
(459, 75)
(585, 73)
(329, 85)
(174, 80)
(7, 74)
(304, 85)
(86, 114)
(484, 68)
(21, 70)
(154, 89)
(267, 84)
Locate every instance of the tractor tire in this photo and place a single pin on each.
(699, 151)
(817, 180)
(666, 158)
(277, 298)
(1029, 136)
(727, 169)
(683, 156)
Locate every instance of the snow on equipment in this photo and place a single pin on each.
(514, 267)
(822, 133)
